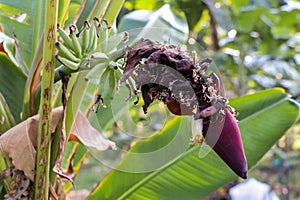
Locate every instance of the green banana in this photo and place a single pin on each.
(67, 40)
(93, 35)
(85, 37)
(112, 82)
(118, 73)
(97, 58)
(96, 72)
(103, 82)
(68, 63)
(115, 40)
(75, 41)
(103, 35)
(63, 51)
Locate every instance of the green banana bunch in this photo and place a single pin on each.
(78, 46)
(93, 48)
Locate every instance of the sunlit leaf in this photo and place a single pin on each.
(193, 11)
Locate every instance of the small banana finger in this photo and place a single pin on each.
(118, 73)
(95, 72)
(103, 82)
(85, 37)
(67, 40)
(115, 40)
(103, 34)
(93, 35)
(70, 64)
(75, 41)
(112, 83)
(63, 51)
(98, 58)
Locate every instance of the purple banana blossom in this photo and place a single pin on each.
(203, 100)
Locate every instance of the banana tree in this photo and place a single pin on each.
(58, 53)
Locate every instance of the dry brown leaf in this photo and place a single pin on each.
(83, 132)
(20, 141)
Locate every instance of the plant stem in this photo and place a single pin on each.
(41, 183)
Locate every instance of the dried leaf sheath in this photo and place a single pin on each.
(20, 145)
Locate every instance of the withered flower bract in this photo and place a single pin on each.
(168, 74)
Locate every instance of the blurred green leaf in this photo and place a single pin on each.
(7, 120)
(11, 48)
(278, 73)
(264, 3)
(239, 4)
(264, 81)
(143, 4)
(75, 6)
(222, 15)
(63, 12)
(160, 25)
(193, 11)
(27, 31)
(243, 24)
(283, 32)
(268, 115)
(12, 83)
(279, 67)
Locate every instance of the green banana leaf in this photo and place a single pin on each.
(263, 118)
(27, 31)
(74, 8)
(12, 83)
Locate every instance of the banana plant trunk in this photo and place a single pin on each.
(41, 185)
